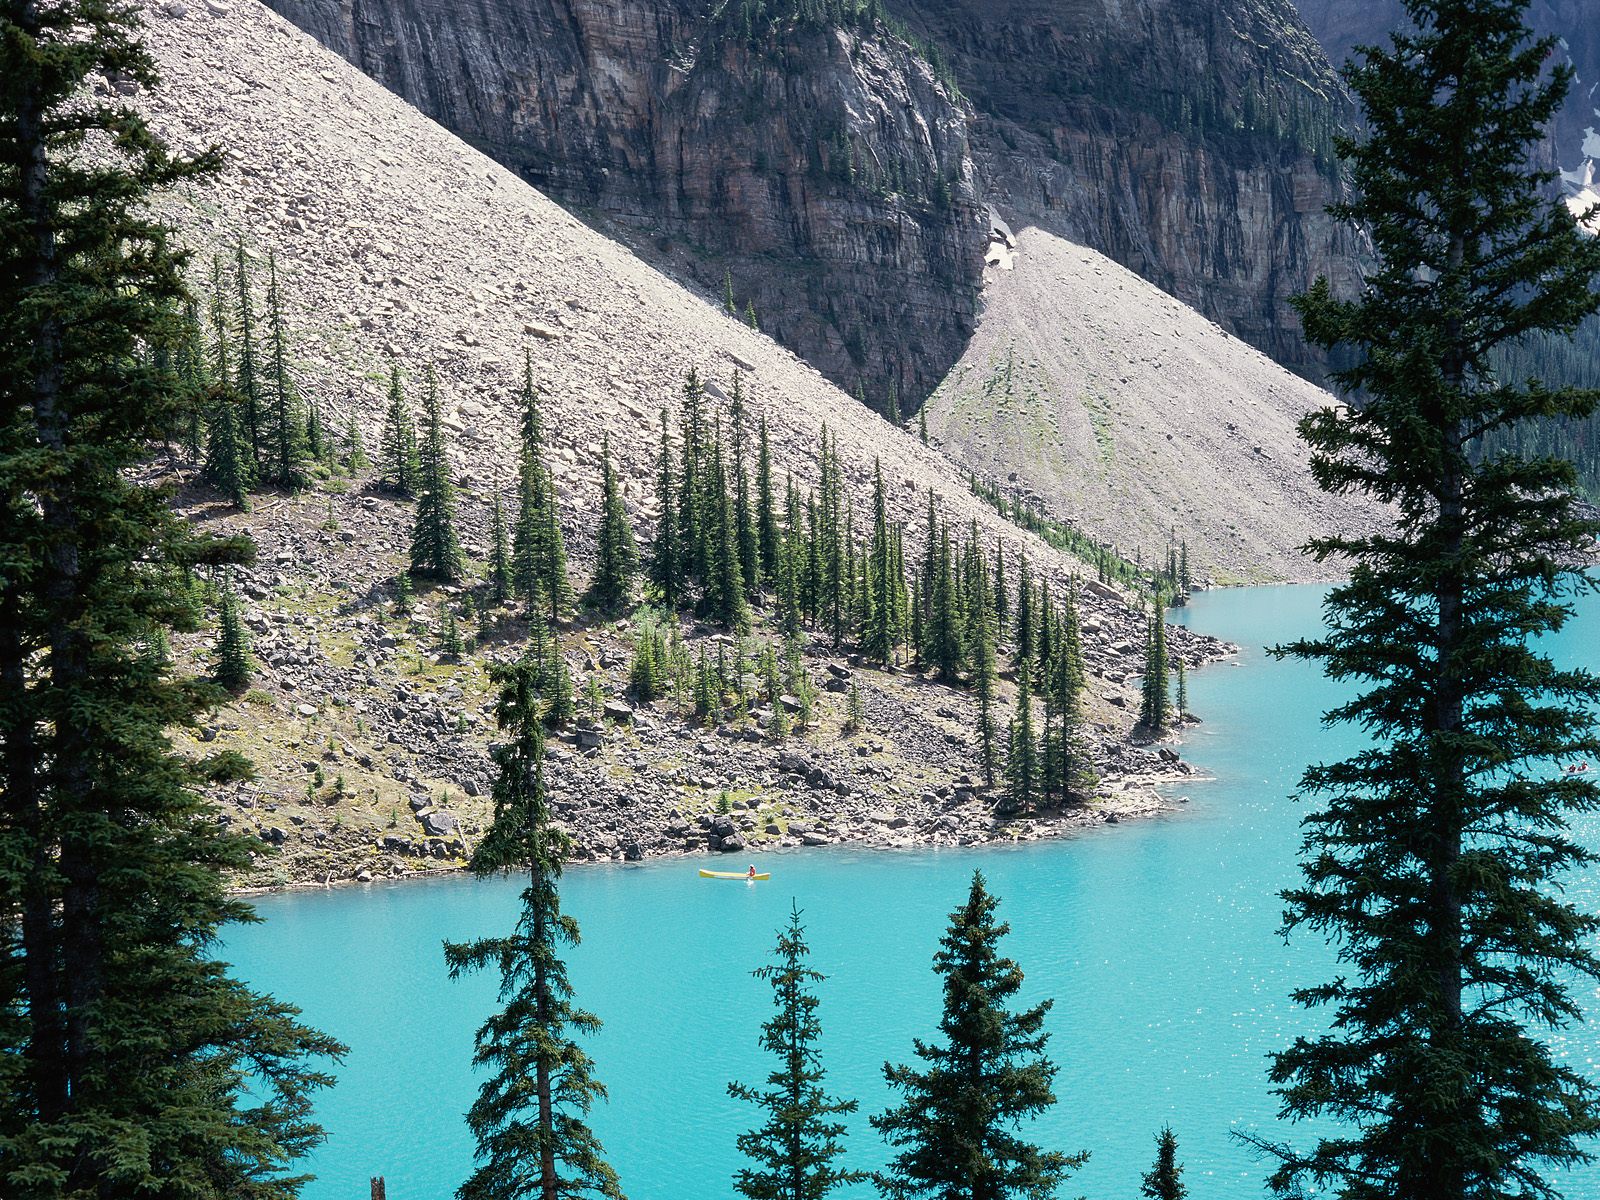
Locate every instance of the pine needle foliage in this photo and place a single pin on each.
(435, 552)
(955, 1133)
(1164, 1180)
(794, 1153)
(1434, 860)
(397, 453)
(528, 1119)
(233, 642)
(131, 1062)
(617, 558)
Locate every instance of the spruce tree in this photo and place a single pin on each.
(133, 1062)
(744, 517)
(666, 564)
(435, 553)
(1022, 758)
(954, 1133)
(985, 681)
(397, 453)
(768, 536)
(229, 465)
(1164, 1180)
(287, 447)
(233, 643)
(691, 480)
(355, 450)
(248, 380)
(885, 623)
(1154, 706)
(616, 558)
(538, 548)
(1434, 861)
(723, 599)
(529, 1117)
(794, 1152)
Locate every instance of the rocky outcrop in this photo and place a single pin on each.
(1188, 140)
(822, 170)
(829, 171)
(1342, 25)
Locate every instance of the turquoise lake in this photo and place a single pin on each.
(1158, 941)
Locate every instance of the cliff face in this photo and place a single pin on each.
(1343, 25)
(839, 182)
(1189, 140)
(824, 171)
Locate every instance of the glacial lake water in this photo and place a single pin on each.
(1158, 941)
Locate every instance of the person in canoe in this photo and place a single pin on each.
(751, 875)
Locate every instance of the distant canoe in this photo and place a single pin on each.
(704, 874)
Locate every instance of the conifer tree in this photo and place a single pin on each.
(500, 582)
(1022, 759)
(402, 469)
(233, 642)
(794, 1152)
(248, 381)
(945, 620)
(435, 553)
(1002, 599)
(287, 447)
(355, 450)
(746, 537)
(1154, 707)
(616, 558)
(229, 465)
(729, 305)
(538, 548)
(1182, 685)
(723, 598)
(691, 480)
(1027, 626)
(529, 1117)
(1434, 862)
(1073, 770)
(750, 315)
(768, 536)
(189, 366)
(132, 1062)
(985, 681)
(954, 1133)
(666, 564)
(1164, 1180)
(922, 423)
(885, 624)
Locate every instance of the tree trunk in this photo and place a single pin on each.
(549, 1187)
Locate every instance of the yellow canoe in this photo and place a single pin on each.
(704, 874)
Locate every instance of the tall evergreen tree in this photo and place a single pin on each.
(666, 550)
(985, 681)
(528, 1119)
(287, 447)
(397, 453)
(723, 598)
(945, 618)
(954, 1133)
(616, 558)
(233, 642)
(1154, 705)
(248, 379)
(355, 450)
(768, 536)
(435, 553)
(229, 464)
(1164, 1180)
(1435, 860)
(131, 1062)
(1022, 758)
(538, 548)
(691, 480)
(794, 1152)
(885, 624)
(746, 536)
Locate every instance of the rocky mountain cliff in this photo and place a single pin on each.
(1574, 143)
(835, 174)
(1188, 140)
(823, 170)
